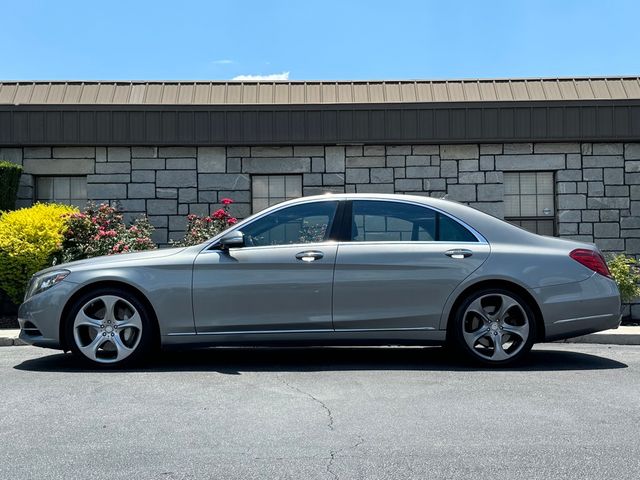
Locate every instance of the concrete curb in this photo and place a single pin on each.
(9, 338)
(619, 336)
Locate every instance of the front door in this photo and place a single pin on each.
(281, 280)
(401, 265)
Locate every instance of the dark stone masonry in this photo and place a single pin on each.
(597, 185)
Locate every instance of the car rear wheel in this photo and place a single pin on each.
(109, 327)
(494, 327)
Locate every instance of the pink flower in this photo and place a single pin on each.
(232, 220)
(226, 201)
(219, 214)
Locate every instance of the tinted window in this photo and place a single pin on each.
(306, 223)
(451, 231)
(379, 221)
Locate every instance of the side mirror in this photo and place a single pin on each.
(233, 239)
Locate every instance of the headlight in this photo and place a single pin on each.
(40, 283)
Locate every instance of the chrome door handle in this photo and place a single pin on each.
(458, 253)
(309, 255)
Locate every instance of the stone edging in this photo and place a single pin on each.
(9, 338)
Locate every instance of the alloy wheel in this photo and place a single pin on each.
(107, 329)
(496, 327)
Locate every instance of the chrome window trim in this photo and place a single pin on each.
(284, 245)
(330, 198)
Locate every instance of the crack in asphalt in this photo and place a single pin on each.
(332, 453)
(315, 399)
(359, 442)
(332, 457)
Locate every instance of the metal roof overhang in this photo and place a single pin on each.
(329, 124)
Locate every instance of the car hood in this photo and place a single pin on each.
(116, 259)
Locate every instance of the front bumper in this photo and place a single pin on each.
(579, 308)
(39, 317)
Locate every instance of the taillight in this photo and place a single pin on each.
(592, 260)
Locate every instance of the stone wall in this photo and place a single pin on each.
(597, 185)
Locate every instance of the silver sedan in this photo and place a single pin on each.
(327, 270)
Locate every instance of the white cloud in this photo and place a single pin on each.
(271, 77)
(224, 61)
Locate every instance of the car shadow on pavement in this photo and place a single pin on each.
(234, 361)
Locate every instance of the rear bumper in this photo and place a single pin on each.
(579, 308)
(584, 326)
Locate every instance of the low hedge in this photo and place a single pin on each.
(9, 181)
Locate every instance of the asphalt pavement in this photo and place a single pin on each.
(569, 411)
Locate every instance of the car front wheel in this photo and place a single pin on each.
(109, 327)
(494, 327)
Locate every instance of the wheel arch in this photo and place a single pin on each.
(107, 284)
(506, 285)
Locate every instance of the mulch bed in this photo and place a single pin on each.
(9, 321)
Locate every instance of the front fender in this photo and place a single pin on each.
(166, 287)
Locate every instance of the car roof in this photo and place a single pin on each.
(375, 196)
(441, 203)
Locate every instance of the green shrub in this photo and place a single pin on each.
(9, 181)
(29, 238)
(624, 270)
(100, 230)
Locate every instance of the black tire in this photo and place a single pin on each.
(145, 345)
(478, 355)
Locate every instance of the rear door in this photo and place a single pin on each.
(400, 266)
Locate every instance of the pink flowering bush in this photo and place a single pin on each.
(100, 230)
(200, 229)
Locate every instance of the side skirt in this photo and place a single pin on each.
(310, 338)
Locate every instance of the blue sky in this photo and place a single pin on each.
(317, 40)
